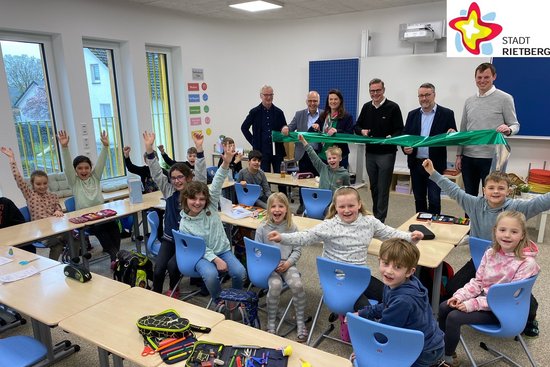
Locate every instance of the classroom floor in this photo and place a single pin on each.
(401, 208)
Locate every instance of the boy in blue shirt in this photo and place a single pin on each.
(405, 303)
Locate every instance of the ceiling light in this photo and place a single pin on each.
(254, 6)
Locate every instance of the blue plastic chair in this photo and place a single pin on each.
(21, 351)
(70, 205)
(249, 194)
(153, 244)
(316, 202)
(210, 173)
(381, 345)
(510, 304)
(342, 284)
(27, 216)
(478, 247)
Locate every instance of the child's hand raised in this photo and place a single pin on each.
(63, 138)
(302, 139)
(227, 157)
(161, 148)
(274, 236)
(9, 153)
(149, 140)
(428, 166)
(126, 151)
(104, 138)
(198, 139)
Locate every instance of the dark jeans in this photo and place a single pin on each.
(108, 235)
(474, 171)
(375, 290)
(422, 186)
(166, 259)
(380, 171)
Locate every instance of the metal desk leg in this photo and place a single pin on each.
(84, 248)
(55, 353)
(103, 357)
(136, 232)
(118, 361)
(438, 272)
(145, 230)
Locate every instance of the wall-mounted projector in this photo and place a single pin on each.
(421, 32)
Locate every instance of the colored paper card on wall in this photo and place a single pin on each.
(194, 98)
(192, 87)
(194, 110)
(194, 121)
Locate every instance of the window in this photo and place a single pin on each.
(104, 103)
(94, 72)
(157, 76)
(25, 64)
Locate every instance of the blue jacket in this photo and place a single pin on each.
(254, 120)
(408, 306)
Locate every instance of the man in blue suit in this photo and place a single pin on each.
(302, 121)
(428, 120)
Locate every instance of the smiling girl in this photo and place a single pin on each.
(346, 234)
(279, 218)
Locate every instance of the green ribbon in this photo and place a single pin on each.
(476, 137)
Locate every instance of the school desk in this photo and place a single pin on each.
(302, 223)
(49, 297)
(19, 257)
(233, 333)
(111, 325)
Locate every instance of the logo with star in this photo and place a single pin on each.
(475, 30)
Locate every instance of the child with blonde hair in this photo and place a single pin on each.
(40, 202)
(279, 218)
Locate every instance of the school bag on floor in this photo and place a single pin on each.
(427, 279)
(134, 269)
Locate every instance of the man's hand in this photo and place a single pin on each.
(407, 150)
(285, 130)
(428, 166)
(63, 138)
(149, 140)
(505, 129)
(458, 163)
(365, 132)
(126, 151)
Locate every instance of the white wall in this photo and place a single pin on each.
(237, 58)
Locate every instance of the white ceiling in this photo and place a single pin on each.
(292, 9)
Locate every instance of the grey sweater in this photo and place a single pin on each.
(328, 179)
(291, 254)
(482, 216)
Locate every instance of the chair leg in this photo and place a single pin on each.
(468, 353)
(500, 355)
(315, 320)
(282, 320)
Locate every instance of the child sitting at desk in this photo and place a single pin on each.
(236, 165)
(200, 217)
(86, 185)
(331, 175)
(406, 303)
(40, 202)
(253, 174)
(483, 212)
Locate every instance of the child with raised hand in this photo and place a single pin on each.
(41, 202)
(236, 165)
(510, 258)
(483, 212)
(331, 175)
(279, 218)
(346, 234)
(200, 217)
(253, 174)
(86, 185)
(179, 176)
(406, 303)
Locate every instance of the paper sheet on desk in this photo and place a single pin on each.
(18, 275)
(4, 260)
(233, 212)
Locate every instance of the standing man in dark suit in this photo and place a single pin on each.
(302, 121)
(379, 118)
(428, 120)
(264, 119)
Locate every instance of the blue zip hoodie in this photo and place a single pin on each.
(408, 306)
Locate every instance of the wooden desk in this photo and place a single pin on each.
(50, 297)
(233, 333)
(432, 252)
(111, 325)
(302, 223)
(275, 178)
(41, 264)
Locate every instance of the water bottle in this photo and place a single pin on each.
(283, 169)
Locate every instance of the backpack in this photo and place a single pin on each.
(427, 279)
(134, 269)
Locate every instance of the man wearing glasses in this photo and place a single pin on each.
(428, 120)
(379, 118)
(264, 119)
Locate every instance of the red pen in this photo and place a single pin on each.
(239, 363)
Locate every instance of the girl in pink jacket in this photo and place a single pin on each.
(509, 259)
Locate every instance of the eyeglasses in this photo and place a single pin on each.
(424, 95)
(376, 91)
(267, 95)
(177, 178)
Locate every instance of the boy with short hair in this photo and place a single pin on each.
(331, 175)
(191, 157)
(483, 212)
(405, 303)
(253, 174)
(235, 166)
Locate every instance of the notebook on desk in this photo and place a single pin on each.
(233, 212)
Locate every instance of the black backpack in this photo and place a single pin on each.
(134, 269)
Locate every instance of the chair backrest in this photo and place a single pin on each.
(261, 261)
(70, 206)
(247, 195)
(189, 250)
(316, 201)
(21, 351)
(25, 212)
(510, 303)
(342, 284)
(153, 244)
(478, 247)
(211, 172)
(380, 345)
